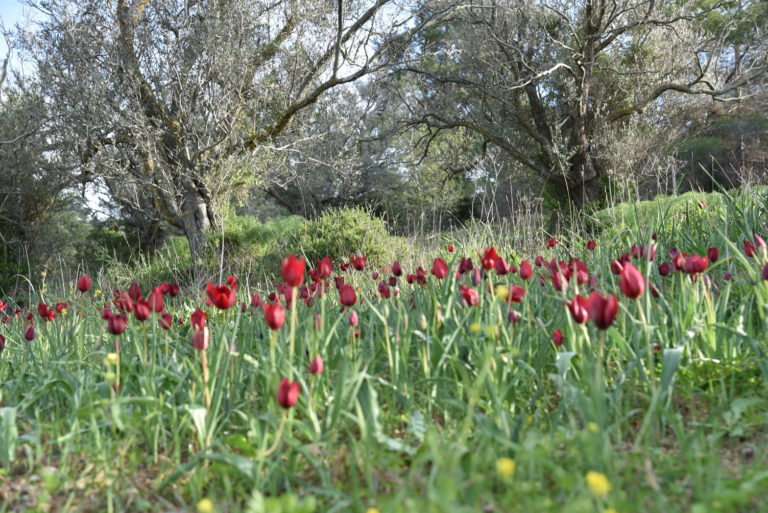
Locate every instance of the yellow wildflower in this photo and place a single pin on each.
(505, 467)
(598, 483)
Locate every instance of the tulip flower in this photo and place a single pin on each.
(221, 296)
(469, 296)
(288, 393)
(134, 292)
(502, 267)
(173, 290)
(713, 254)
(324, 268)
(165, 288)
(749, 249)
(274, 314)
(513, 316)
(526, 271)
(557, 338)
(142, 310)
(591, 245)
(116, 324)
(516, 294)
(166, 321)
(551, 243)
(198, 318)
(631, 281)
(316, 365)
(200, 338)
(489, 258)
(602, 309)
(765, 271)
(358, 262)
(694, 264)
(354, 319)
(665, 269)
(2, 343)
(439, 268)
(293, 270)
(84, 283)
(347, 295)
(397, 270)
(578, 308)
(29, 333)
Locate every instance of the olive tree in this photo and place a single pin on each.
(166, 101)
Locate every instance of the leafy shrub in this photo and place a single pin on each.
(343, 232)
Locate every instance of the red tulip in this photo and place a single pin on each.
(134, 292)
(526, 271)
(665, 269)
(60, 307)
(469, 296)
(631, 281)
(293, 270)
(155, 300)
(274, 314)
(166, 321)
(221, 296)
(200, 338)
(765, 271)
(516, 294)
(29, 333)
(602, 309)
(347, 295)
(551, 243)
(450, 248)
(489, 258)
(173, 290)
(713, 254)
(439, 268)
(578, 308)
(591, 245)
(397, 270)
(165, 287)
(694, 264)
(198, 318)
(513, 316)
(124, 303)
(502, 267)
(749, 248)
(316, 365)
(288, 393)
(106, 314)
(727, 276)
(358, 262)
(354, 319)
(84, 283)
(557, 338)
(2, 343)
(324, 268)
(117, 323)
(616, 266)
(141, 310)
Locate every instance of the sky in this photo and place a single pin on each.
(11, 12)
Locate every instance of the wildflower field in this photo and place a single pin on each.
(622, 369)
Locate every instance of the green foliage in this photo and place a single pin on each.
(344, 232)
(681, 219)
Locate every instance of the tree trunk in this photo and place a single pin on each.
(196, 221)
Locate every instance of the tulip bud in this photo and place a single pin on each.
(288, 393)
(316, 365)
(84, 283)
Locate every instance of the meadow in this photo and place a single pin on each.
(620, 366)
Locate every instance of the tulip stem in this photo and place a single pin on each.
(278, 436)
(294, 293)
(206, 390)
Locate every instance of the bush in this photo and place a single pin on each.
(344, 232)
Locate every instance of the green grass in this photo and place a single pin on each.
(413, 413)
